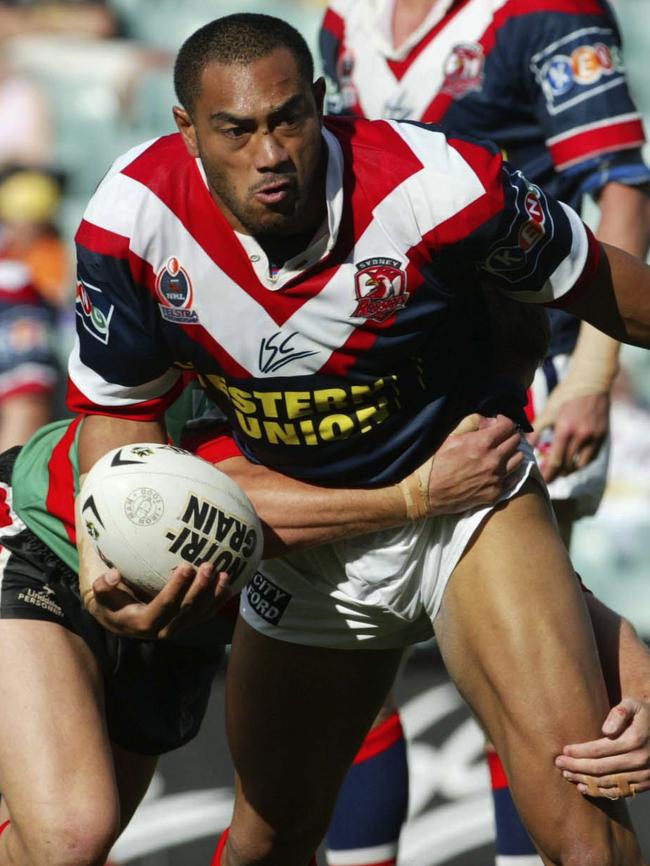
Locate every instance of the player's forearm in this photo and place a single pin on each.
(624, 219)
(624, 223)
(101, 433)
(296, 514)
(624, 657)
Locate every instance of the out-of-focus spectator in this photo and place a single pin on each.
(28, 204)
(27, 134)
(28, 367)
(85, 18)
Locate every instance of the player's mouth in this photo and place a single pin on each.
(274, 193)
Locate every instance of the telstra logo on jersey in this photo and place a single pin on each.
(174, 290)
(380, 287)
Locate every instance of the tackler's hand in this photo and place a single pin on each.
(475, 465)
(618, 764)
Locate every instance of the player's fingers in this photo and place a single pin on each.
(111, 593)
(166, 605)
(614, 787)
(627, 760)
(201, 589)
(223, 592)
(499, 429)
(552, 462)
(508, 447)
(601, 748)
(621, 716)
(469, 424)
(513, 464)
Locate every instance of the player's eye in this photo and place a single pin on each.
(234, 132)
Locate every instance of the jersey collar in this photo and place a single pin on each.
(324, 238)
(380, 17)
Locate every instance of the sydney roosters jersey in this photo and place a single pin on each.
(544, 79)
(351, 363)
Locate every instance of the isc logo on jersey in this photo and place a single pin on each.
(94, 310)
(576, 73)
(174, 290)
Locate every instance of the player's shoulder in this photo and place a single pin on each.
(385, 146)
(148, 162)
(147, 170)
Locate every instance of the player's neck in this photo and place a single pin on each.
(284, 247)
(408, 15)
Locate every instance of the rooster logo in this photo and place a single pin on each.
(380, 287)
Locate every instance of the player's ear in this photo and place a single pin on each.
(185, 126)
(318, 89)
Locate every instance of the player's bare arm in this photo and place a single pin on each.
(472, 467)
(617, 301)
(578, 408)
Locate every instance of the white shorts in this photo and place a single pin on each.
(376, 591)
(585, 486)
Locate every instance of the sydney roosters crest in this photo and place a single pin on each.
(464, 70)
(380, 287)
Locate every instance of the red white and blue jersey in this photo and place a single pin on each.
(350, 364)
(28, 363)
(544, 79)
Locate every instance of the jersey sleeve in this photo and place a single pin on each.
(483, 219)
(120, 363)
(570, 65)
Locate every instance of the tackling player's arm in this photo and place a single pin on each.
(578, 408)
(474, 466)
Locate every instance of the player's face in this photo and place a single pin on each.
(256, 128)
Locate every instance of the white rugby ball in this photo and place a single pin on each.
(148, 508)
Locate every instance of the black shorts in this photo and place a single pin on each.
(156, 692)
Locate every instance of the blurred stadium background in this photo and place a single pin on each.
(104, 95)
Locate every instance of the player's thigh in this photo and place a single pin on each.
(296, 716)
(55, 756)
(516, 637)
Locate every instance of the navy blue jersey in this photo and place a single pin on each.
(544, 79)
(353, 361)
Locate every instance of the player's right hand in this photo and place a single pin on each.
(475, 465)
(190, 597)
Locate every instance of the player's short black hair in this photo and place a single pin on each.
(240, 38)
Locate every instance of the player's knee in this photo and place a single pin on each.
(72, 836)
(262, 845)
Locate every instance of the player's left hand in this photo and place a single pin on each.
(618, 764)
(190, 598)
(580, 425)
